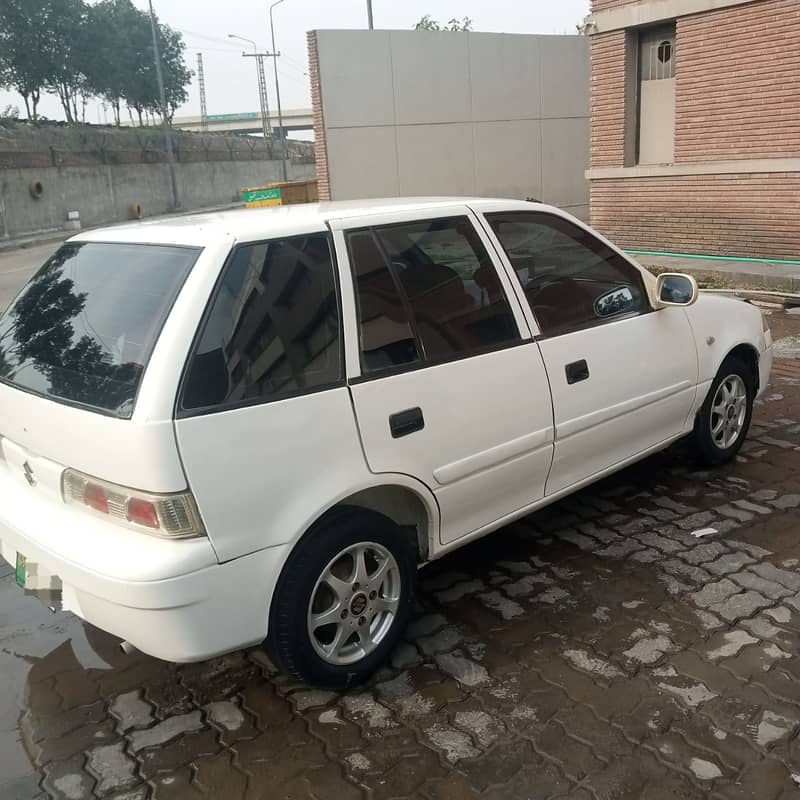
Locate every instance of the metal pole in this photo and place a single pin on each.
(164, 119)
(262, 84)
(369, 15)
(275, 55)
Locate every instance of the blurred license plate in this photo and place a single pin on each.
(21, 570)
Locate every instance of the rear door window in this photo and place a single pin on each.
(272, 330)
(82, 330)
(427, 292)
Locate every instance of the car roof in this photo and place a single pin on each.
(249, 224)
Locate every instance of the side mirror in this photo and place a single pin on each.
(675, 289)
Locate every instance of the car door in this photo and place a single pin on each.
(447, 383)
(623, 376)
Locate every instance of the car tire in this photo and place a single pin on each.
(722, 423)
(343, 599)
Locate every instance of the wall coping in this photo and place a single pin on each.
(647, 12)
(744, 166)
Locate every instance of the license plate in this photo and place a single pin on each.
(21, 570)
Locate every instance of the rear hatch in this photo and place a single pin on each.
(74, 346)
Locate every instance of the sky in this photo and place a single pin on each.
(231, 80)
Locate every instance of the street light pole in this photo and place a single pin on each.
(275, 55)
(176, 202)
(369, 15)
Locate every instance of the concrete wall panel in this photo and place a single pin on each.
(363, 162)
(364, 65)
(431, 73)
(504, 76)
(436, 159)
(475, 113)
(507, 159)
(564, 76)
(565, 159)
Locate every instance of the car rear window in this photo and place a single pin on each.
(82, 330)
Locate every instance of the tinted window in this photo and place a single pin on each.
(83, 328)
(273, 329)
(387, 338)
(571, 279)
(450, 299)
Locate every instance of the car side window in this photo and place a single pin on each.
(273, 327)
(436, 285)
(571, 279)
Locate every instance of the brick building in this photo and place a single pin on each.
(695, 125)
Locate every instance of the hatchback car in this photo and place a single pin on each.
(252, 427)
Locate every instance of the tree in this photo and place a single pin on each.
(25, 64)
(70, 45)
(429, 24)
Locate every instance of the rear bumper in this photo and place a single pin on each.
(152, 592)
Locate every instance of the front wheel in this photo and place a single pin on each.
(724, 419)
(343, 599)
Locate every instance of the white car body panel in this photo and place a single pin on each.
(638, 392)
(504, 434)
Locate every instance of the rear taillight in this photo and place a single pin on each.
(173, 516)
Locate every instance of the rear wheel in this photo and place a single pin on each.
(723, 421)
(343, 599)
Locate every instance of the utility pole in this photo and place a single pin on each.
(164, 118)
(275, 54)
(201, 83)
(369, 15)
(263, 98)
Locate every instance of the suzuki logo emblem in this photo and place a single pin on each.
(28, 470)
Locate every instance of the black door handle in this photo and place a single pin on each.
(404, 422)
(577, 371)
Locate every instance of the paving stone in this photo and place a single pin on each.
(580, 540)
(663, 543)
(693, 522)
(685, 571)
(787, 501)
(739, 514)
(707, 551)
(763, 495)
(751, 580)
(754, 507)
(731, 562)
(714, 593)
(648, 650)
(755, 551)
(112, 767)
(131, 711)
(620, 549)
(791, 580)
(739, 606)
(166, 730)
(725, 645)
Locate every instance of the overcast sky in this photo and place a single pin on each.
(231, 80)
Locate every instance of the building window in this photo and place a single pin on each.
(656, 95)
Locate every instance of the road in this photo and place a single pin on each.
(596, 650)
(16, 266)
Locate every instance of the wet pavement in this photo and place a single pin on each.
(599, 649)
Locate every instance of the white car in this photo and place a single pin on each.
(253, 426)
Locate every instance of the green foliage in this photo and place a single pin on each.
(429, 24)
(76, 50)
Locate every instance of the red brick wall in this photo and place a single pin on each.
(735, 215)
(320, 143)
(607, 147)
(738, 83)
(737, 98)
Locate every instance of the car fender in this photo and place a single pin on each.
(719, 325)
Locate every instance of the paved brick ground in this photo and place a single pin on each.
(595, 650)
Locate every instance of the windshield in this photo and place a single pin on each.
(83, 328)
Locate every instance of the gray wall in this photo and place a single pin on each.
(429, 113)
(105, 194)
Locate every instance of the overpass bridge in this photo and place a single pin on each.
(294, 119)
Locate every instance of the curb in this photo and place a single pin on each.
(8, 245)
(729, 279)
